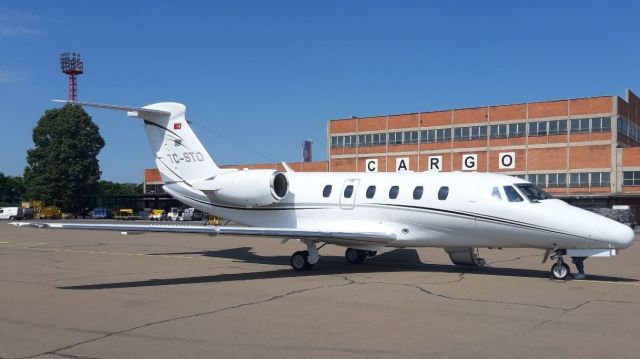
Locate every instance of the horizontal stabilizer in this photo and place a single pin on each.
(131, 111)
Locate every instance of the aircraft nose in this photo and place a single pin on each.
(622, 236)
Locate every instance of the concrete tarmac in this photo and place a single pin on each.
(88, 294)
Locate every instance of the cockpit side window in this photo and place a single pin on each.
(533, 192)
(495, 194)
(512, 194)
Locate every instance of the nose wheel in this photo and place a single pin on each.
(559, 270)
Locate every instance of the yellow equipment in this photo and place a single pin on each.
(125, 214)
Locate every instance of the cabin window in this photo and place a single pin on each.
(348, 191)
(443, 193)
(495, 194)
(512, 194)
(393, 192)
(417, 192)
(371, 191)
(326, 192)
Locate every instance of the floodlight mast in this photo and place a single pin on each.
(72, 66)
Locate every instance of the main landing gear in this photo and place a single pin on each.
(304, 260)
(559, 270)
(357, 256)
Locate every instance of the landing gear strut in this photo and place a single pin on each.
(559, 270)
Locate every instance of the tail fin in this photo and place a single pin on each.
(180, 156)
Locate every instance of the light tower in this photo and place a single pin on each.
(72, 66)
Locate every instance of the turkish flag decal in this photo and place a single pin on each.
(177, 126)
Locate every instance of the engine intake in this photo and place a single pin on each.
(250, 187)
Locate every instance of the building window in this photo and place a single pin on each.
(517, 129)
(578, 180)
(538, 128)
(395, 138)
(462, 133)
(580, 125)
(443, 135)
(557, 127)
(411, 137)
(539, 180)
(631, 178)
(334, 141)
(371, 191)
(498, 131)
(326, 192)
(443, 193)
(601, 124)
(428, 136)
(393, 192)
(557, 180)
(600, 179)
(478, 132)
(417, 192)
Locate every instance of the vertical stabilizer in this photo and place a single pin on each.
(179, 154)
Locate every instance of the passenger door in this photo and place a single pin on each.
(348, 193)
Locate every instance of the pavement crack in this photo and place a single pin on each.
(460, 278)
(212, 312)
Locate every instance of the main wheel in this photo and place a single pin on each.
(355, 256)
(300, 261)
(11, 218)
(560, 271)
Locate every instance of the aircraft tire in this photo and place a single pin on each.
(300, 261)
(560, 271)
(355, 256)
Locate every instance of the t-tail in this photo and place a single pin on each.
(180, 156)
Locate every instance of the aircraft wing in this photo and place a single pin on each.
(345, 238)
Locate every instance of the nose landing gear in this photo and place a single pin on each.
(559, 270)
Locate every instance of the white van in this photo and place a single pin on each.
(173, 214)
(11, 213)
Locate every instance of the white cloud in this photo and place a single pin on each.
(14, 23)
(9, 77)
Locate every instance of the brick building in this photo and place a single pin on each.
(573, 148)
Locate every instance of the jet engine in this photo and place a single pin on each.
(465, 257)
(250, 188)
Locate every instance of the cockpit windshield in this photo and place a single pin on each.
(533, 192)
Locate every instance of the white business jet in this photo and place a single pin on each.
(365, 212)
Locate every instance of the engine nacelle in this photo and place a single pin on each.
(250, 188)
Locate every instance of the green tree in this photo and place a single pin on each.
(11, 190)
(62, 169)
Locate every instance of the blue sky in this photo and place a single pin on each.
(269, 74)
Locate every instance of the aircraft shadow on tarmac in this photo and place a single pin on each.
(399, 260)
